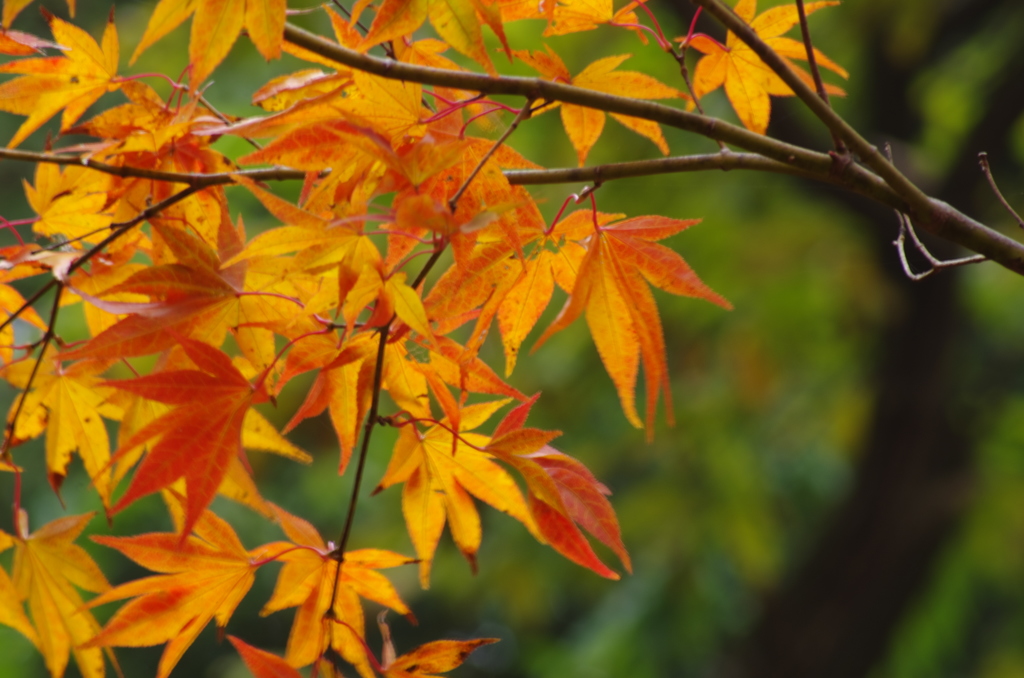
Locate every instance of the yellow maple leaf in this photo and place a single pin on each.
(584, 125)
(748, 81)
(71, 82)
(215, 27)
(307, 581)
(13, 7)
(439, 477)
(66, 403)
(48, 566)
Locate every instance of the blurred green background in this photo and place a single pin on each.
(842, 492)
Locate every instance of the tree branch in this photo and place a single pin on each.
(930, 214)
(725, 161)
(197, 180)
(927, 212)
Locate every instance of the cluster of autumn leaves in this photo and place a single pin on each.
(392, 189)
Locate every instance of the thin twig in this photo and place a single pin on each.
(201, 180)
(5, 451)
(907, 228)
(684, 72)
(44, 343)
(28, 302)
(227, 121)
(123, 227)
(387, 46)
(372, 418)
(523, 114)
(983, 161)
(812, 62)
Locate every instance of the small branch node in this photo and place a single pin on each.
(907, 229)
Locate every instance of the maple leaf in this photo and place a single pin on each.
(101, 275)
(584, 125)
(71, 82)
(261, 663)
(343, 386)
(569, 16)
(307, 581)
(192, 293)
(10, 301)
(424, 662)
(458, 22)
(203, 577)
(749, 81)
(285, 91)
(321, 244)
(12, 611)
(16, 43)
(491, 210)
(611, 286)
(198, 438)
(462, 369)
(66, 403)
(428, 659)
(440, 472)
(48, 566)
(562, 492)
(357, 121)
(13, 7)
(70, 202)
(215, 27)
(554, 260)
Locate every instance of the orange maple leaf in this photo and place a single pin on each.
(569, 16)
(193, 294)
(71, 82)
(611, 285)
(343, 386)
(554, 260)
(427, 660)
(203, 577)
(749, 81)
(307, 581)
(424, 662)
(199, 437)
(215, 27)
(584, 125)
(48, 566)
(440, 473)
(459, 23)
(562, 492)
(261, 663)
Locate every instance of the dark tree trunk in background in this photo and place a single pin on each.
(836, 613)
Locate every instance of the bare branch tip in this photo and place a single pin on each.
(986, 168)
